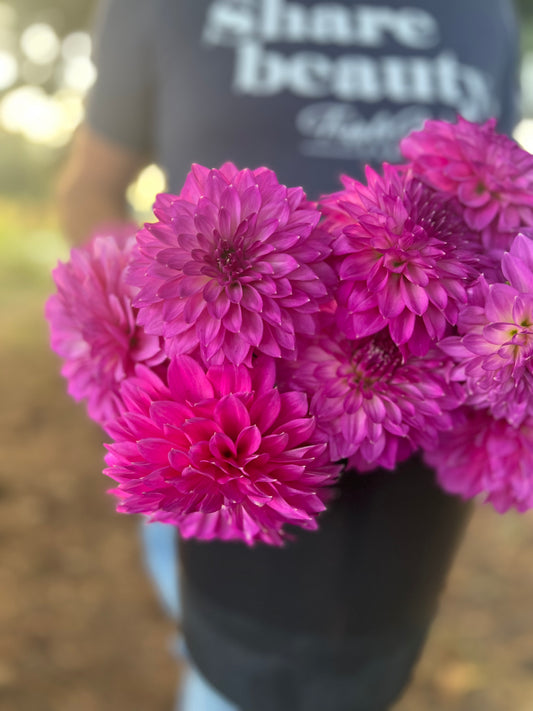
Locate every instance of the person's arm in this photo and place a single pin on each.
(115, 141)
(92, 186)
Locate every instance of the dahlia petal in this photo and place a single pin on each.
(471, 193)
(454, 347)
(212, 291)
(221, 446)
(219, 308)
(187, 380)
(275, 444)
(360, 325)
(250, 200)
(389, 304)
(375, 409)
(233, 319)
(251, 299)
(215, 185)
(401, 328)
(478, 219)
(154, 449)
(193, 308)
(415, 297)
(293, 404)
(234, 292)
(434, 324)
(230, 212)
(207, 327)
(271, 311)
(437, 294)
(265, 410)
(232, 415)
(235, 348)
(517, 273)
(165, 412)
(499, 303)
(378, 279)
(248, 441)
(269, 344)
(252, 328)
(298, 430)
(522, 249)
(358, 265)
(282, 264)
(495, 333)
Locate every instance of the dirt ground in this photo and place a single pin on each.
(80, 628)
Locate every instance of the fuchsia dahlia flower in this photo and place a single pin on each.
(222, 454)
(404, 259)
(491, 176)
(374, 407)
(93, 327)
(234, 264)
(494, 350)
(487, 456)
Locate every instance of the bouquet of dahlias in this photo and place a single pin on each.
(249, 345)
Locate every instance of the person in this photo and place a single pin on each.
(309, 88)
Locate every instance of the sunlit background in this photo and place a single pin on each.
(45, 73)
(56, 588)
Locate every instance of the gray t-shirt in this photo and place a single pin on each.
(310, 89)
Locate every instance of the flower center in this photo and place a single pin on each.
(229, 260)
(374, 358)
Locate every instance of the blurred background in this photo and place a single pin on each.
(80, 628)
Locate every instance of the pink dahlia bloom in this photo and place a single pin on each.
(494, 350)
(222, 454)
(405, 259)
(374, 406)
(233, 265)
(489, 173)
(93, 327)
(489, 457)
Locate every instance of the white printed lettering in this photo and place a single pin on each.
(331, 24)
(253, 28)
(310, 74)
(258, 72)
(226, 21)
(408, 79)
(416, 28)
(356, 78)
(447, 78)
(229, 21)
(283, 21)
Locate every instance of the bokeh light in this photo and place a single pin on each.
(523, 134)
(142, 192)
(40, 43)
(8, 69)
(78, 74)
(39, 117)
(76, 44)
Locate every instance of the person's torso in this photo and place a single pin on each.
(314, 89)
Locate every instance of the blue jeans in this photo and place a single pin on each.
(160, 555)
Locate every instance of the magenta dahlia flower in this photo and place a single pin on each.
(235, 264)
(93, 327)
(489, 457)
(489, 173)
(405, 259)
(222, 454)
(374, 406)
(494, 350)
